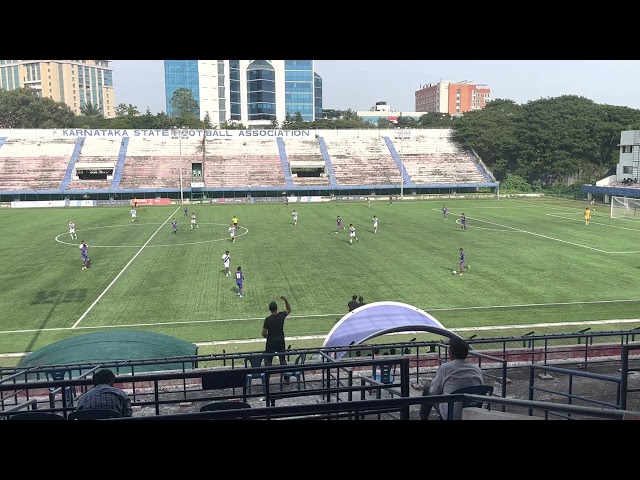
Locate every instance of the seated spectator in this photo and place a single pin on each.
(361, 301)
(104, 396)
(450, 376)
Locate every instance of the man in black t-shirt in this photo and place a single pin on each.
(273, 331)
(353, 303)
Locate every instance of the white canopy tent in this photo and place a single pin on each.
(379, 318)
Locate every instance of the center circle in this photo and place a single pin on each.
(227, 238)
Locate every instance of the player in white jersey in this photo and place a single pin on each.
(295, 217)
(134, 215)
(375, 224)
(352, 233)
(226, 260)
(194, 223)
(72, 231)
(232, 233)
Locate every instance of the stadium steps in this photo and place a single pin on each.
(74, 158)
(327, 160)
(398, 160)
(285, 164)
(122, 155)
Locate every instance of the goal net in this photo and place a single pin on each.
(625, 207)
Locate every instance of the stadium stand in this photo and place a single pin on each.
(240, 162)
(362, 161)
(34, 163)
(433, 159)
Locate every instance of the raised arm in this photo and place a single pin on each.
(286, 304)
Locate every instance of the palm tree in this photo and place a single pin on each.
(90, 110)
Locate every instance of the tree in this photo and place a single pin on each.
(274, 123)
(183, 104)
(24, 108)
(435, 120)
(124, 110)
(90, 110)
(491, 132)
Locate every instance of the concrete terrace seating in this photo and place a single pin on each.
(89, 185)
(362, 161)
(34, 164)
(302, 152)
(154, 162)
(431, 159)
(311, 181)
(237, 162)
(96, 148)
(152, 172)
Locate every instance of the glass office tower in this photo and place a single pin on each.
(252, 92)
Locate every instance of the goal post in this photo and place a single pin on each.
(625, 207)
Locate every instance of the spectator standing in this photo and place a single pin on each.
(361, 301)
(273, 331)
(105, 396)
(353, 303)
(450, 376)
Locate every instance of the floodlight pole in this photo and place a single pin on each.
(181, 133)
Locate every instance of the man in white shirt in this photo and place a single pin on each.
(72, 231)
(450, 376)
(226, 259)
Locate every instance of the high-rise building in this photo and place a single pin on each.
(73, 82)
(252, 92)
(454, 98)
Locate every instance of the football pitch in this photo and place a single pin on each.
(534, 266)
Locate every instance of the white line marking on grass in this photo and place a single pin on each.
(226, 238)
(122, 271)
(538, 235)
(320, 315)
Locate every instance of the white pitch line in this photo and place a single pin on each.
(122, 271)
(539, 235)
(463, 329)
(319, 315)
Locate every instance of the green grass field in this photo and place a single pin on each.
(534, 265)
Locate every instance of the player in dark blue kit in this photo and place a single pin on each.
(462, 259)
(84, 251)
(240, 281)
(463, 222)
(444, 211)
(186, 212)
(339, 224)
(174, 225)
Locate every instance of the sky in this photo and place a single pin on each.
(359, 84)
